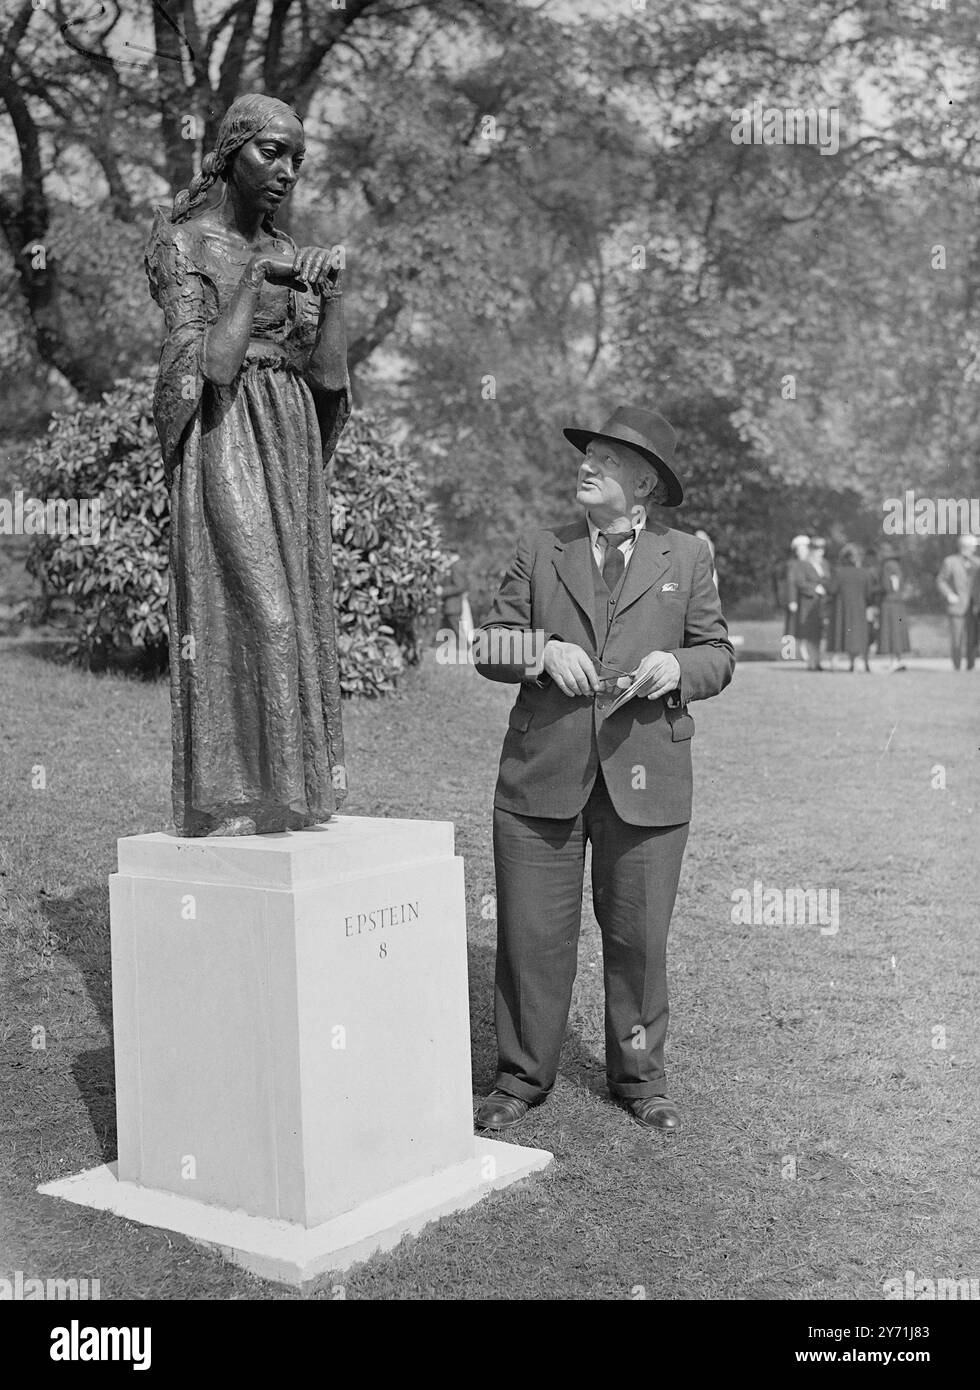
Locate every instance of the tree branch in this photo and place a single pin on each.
(295, 78)
(273, 44)
(174, 100)
(232, 65)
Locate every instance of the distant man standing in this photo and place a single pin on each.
(610, 599)
(818, 559)
(806, 595)
(957, 581)
(786, 589)
(454, 588)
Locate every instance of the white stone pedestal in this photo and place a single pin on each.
(292, 1043)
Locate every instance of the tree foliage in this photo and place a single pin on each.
(544, 214)
(386, 545)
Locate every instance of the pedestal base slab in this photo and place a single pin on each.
(288, 1253)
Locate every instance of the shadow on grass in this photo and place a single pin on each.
(53, 648)
(81, 924)
(95, 1077)
(58, 648)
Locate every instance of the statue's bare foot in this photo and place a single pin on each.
(234, 825)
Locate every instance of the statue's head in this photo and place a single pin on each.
(253, 126)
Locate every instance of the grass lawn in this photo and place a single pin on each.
(829, 1141)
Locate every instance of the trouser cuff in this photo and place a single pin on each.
(636, 1090)
(521, 1089)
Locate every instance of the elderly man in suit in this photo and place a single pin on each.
(613, 598)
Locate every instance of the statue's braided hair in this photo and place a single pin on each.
(244, 119)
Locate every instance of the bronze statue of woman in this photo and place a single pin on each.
(251, 396)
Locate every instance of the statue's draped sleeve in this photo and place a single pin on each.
(188, 298)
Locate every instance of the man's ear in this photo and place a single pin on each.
(643, 484)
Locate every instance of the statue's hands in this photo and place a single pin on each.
(317, 267)
(273, 265)
(312, 267)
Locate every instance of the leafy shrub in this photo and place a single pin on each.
(387, 555)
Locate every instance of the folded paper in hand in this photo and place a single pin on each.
(627, 694)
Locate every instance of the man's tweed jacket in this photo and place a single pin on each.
(555, 743)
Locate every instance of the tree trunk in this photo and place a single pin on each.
(175, 103)
(25, 220)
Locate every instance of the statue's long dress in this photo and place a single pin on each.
(253, 652)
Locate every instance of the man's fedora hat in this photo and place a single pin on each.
(646, 432)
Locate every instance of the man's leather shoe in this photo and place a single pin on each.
(501, 1111)
(656, 1112)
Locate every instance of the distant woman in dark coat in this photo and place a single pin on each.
(893, 639)
(852, 588)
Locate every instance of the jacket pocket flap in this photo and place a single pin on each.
(681, 723)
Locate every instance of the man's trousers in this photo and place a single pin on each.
(540, 867)
(962, 639)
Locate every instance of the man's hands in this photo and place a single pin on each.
(573, 671)
(662, 668)
(570, 668)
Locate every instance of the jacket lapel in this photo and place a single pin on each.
(573, 562)
(650, 560)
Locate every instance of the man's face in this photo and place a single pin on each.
(968, 547)
(612, 480)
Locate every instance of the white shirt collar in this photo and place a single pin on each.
(595, 531)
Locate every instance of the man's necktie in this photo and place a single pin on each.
(614, 561)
